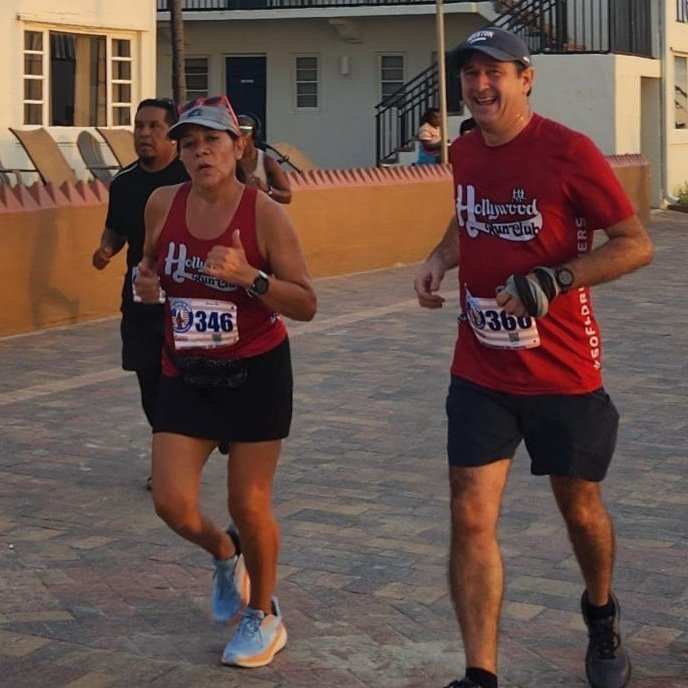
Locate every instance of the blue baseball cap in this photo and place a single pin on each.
(498, 44)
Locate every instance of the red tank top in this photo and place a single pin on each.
(206, 316)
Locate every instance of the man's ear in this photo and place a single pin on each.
(528, 77)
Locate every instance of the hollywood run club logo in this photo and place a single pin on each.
(180, 266)
(516, 220)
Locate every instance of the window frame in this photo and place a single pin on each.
(46, 78)
(110, 59)
(192, 94)
(684, 95)
(381, 81)
(43, 78)
(297, 82)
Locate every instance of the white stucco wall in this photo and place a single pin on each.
(341, 132)
(566, 91)
(131, 19)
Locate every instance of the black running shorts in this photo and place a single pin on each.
(260, 409)
(565, 435)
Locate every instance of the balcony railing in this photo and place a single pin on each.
(547, 26)
(581, 26)
(227, 5)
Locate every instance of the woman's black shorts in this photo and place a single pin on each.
(260, 409)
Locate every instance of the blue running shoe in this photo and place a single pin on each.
(257, 639)
(231, 585)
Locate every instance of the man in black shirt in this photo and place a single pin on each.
(157, 165)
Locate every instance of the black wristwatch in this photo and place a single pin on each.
(260, 285)
(564, 278)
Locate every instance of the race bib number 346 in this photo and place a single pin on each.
(202, 323)
(496, 328)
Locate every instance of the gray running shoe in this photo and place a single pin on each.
(607, 664)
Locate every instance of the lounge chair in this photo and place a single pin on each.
(291, 155)
(121, 143)
(6, 174)
(45, 154)
(92, 155)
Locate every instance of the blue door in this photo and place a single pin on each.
(246, 85)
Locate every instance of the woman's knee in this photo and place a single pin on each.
(177, 511)
(248, 514)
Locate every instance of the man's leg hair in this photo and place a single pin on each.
(591, 533)
(476, 571)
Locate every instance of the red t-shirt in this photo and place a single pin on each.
(532, 201)
(206, 316)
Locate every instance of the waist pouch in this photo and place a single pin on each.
(199, 371)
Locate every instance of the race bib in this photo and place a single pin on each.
(137, 298)
(496, 328)
(202, 323)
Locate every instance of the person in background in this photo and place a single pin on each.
(231, 264)
(157, 165)
(430, 138)
(527, 361)
(467, 125)
(258, 168)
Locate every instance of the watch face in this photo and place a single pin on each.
(564, 278)
(260, 284)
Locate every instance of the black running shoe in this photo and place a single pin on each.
(463, 683)
(607, 664)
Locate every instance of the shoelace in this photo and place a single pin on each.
(604, 639)
(250, 625)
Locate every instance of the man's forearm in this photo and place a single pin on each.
(448, 249)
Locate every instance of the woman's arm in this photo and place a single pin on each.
(290, 291)
(279, 186)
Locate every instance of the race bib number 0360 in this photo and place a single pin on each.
(496, 328)
(202, 323)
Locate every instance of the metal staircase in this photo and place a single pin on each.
(546, 26)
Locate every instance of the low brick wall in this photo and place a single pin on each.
(348, 221)
(633, 171)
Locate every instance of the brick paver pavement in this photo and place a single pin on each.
(95, 591)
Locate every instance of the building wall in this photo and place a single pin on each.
(565, 91)
(130, 19)
(341, 132)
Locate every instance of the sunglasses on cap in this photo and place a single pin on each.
(211, 101)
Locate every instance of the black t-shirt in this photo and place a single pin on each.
(129, 192)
